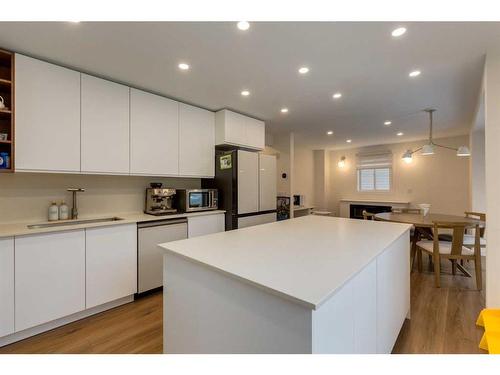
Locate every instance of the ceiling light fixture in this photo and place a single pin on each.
(428, 149)
(284, 110)
(243, 25)
(400, 134)
(304, 70)
(414, 74)
(348, 140)
(337, 95)
(183, 66)
(329, 132)
(398, 32)
(245, 93)
(341, 162)
(387, 123)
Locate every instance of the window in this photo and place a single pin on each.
(374, 172)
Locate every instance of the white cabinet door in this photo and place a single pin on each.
(105, 126)
(250, 221)
(47, 116)
(255, 133)
(6, 286)
(230, 128)
(206, 224)
(111, 263)
(50, 277)
(196, 141)
(267, 182)
(248, 182)
(154, 134)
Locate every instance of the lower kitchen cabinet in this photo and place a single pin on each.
(206, 224)
(6, 286)
(111, 263)
(50, 277)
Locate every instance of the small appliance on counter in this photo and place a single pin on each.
(159, 200)
(192, 200)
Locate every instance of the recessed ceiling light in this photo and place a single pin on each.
(415, 73)
(348, 140)
(398, 32)
(243, 25)
(337, 95)
(387, 123)
(183, 66)
(399, 134)
(74, 21)
(284, 110)
(303, 70)
(329, 132)
(245, 93)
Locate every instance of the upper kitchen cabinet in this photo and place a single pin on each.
(154, 134)
(235, 129)
(105, 126)
(47, 116)
(196, 141)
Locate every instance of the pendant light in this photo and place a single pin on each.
(428, 149)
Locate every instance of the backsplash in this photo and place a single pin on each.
(26, 196)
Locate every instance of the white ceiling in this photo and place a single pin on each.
(361, 60)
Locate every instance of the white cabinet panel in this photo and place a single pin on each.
(6, 286)
(154, 134)
(235, 129)
(47, 116)
(105, 126)
(207, 224)
(50, 277)
(111, 263)
(267, 182)
(255, 133)
(248, 182)
(249, 221)
(196, 141)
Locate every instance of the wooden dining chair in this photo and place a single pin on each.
(454, 250)
(368, 215)
(469, 239)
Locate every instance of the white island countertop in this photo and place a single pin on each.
(305, 260)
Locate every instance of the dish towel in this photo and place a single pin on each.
(490, 320)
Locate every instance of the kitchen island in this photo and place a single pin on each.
(308, 285)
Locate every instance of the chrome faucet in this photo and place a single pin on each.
(74, 209)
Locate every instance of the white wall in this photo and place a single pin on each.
(26, 196)
(441, 179)
(492, 135)
(478, 171)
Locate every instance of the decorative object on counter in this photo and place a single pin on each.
(4, 160)
(2, 103)
(63, 211)
(4, 136)
(159, 200)
(425, 207)
(53, 212)
(283, 211)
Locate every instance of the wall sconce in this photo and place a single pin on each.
(341, 162)
(408, 156)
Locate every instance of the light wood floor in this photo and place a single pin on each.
(442, 321)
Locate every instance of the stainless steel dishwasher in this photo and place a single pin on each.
(150, 256)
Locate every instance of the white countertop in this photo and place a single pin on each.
(304, 259)
(21, 229)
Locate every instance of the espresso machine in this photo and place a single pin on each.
(159, 200)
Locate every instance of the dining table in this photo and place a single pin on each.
(423, 228)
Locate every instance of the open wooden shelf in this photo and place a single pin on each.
(7, 115)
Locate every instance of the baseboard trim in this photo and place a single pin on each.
(21, 335)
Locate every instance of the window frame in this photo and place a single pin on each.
(382, 160)
(374, 190)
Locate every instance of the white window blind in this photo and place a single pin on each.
(374, 171)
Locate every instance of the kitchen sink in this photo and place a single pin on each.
(73, 222)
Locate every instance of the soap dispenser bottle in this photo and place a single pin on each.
(63, 211)
(53, 212)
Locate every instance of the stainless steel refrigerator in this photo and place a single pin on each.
(246, 181)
